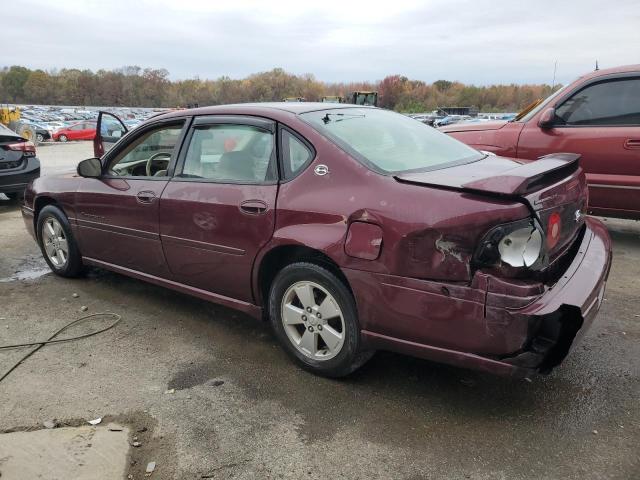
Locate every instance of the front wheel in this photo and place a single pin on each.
(62, 138)
(57, 243)
(314, 316)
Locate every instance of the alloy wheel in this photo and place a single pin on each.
(313, 321)
(55, 242)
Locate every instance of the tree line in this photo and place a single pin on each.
(134, 86)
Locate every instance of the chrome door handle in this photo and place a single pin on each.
(253, 207)
(632, 143)
(146, 196)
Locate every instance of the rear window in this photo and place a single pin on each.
(388, 142)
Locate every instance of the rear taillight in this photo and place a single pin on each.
(27, 148)
(517, 244)
(554, 227)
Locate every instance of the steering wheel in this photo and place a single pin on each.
(152, 158)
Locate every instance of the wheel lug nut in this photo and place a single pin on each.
(319, 327)
(311, 329)
(304, 318)
(318, 315)
(309, 309)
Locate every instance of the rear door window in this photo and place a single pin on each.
(615, 102)
(229, 153)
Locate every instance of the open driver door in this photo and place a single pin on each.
(109, 130)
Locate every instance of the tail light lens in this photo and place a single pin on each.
(517, 245)
(27, 148)
(521, 247)
(554, 228)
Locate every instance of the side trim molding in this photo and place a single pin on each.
(185, 242)
(248, 308)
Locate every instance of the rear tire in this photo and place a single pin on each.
(57, 243)
(62, 138)
(313, 314)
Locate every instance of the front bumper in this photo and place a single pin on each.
(491, 325)
(16, 180)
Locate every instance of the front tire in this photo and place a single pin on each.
(57, 243)
(62, 138)
(314, 317)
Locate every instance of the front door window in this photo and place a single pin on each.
(148, 155)
(607, 103)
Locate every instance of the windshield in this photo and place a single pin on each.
(530, 111)
(388, 142)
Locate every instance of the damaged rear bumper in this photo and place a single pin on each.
(560, 317)
(492, 325)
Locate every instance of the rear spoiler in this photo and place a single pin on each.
(520, 180)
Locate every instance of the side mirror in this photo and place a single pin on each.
(547, 118)
(90, 168)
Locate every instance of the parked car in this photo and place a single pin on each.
(18, 163)
(43, 131)
(78, 131)
(598, 117)
(450, 120)
(363, 230)
(425, 118)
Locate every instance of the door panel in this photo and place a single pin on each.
(210, 242)
(115, 225)
(117, 214)
(219, 210)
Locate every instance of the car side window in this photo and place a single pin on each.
(148, 154)
(609, 103)
(230, 153)
(295, 154)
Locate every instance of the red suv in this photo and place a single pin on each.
(598, 117)
(349, 227)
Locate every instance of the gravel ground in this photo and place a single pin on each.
(241, 409)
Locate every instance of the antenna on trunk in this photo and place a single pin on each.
(597, 67)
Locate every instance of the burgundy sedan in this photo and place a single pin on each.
(350, 228)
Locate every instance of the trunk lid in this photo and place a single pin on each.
(554, 187)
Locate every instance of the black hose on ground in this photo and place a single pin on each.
(50, 340)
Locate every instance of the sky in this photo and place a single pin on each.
(473, 41)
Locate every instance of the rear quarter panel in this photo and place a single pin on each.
(427, 233)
